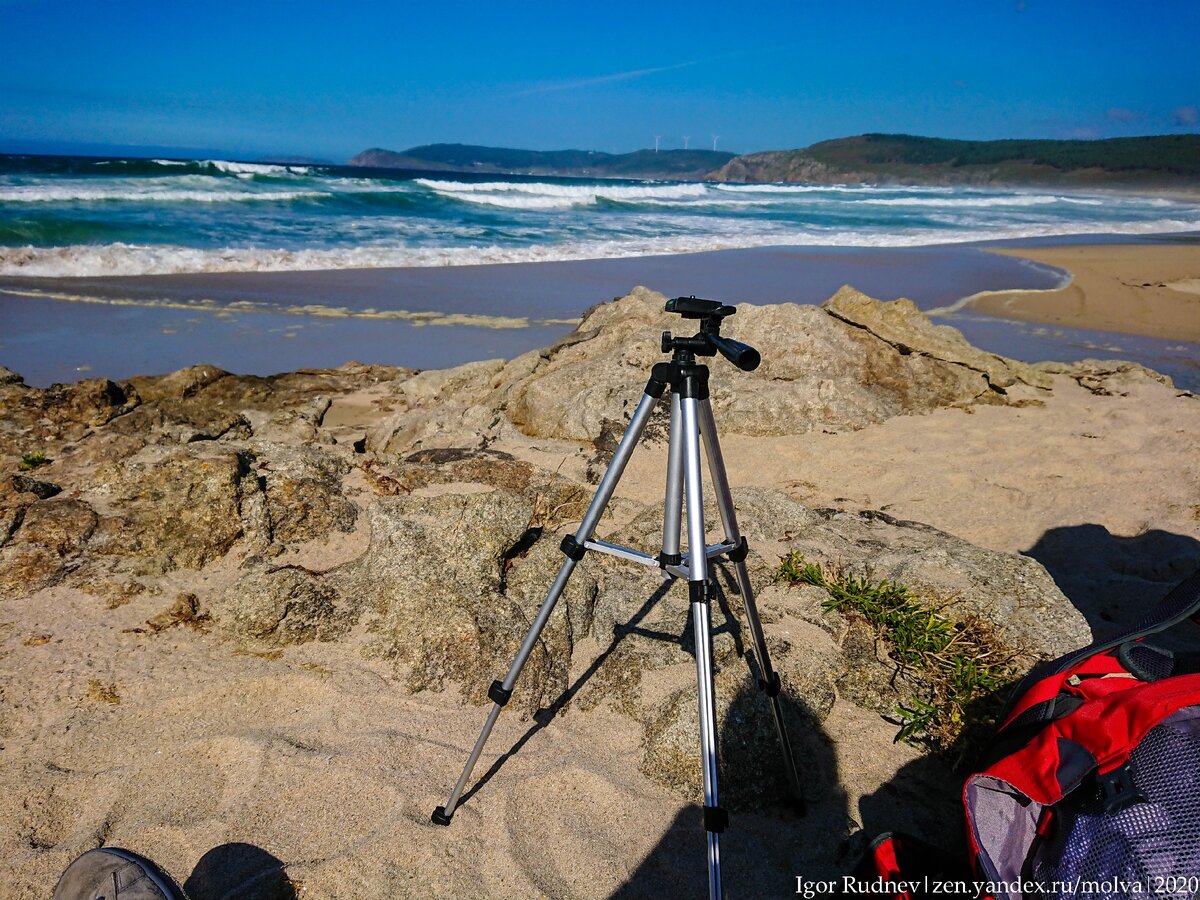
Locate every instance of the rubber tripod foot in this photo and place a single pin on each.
(439, 816)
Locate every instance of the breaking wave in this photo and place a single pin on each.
(546, 195)
(118, 258)
(85, 194)
(75, 216)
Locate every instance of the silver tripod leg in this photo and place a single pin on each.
(770, 679)
(673, 509)
(501, 691)
(699, 594)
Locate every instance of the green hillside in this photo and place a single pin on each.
(1159, 159)
(680, 164)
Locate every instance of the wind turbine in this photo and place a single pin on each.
(657, 138)
(715, 137)
(686, 138)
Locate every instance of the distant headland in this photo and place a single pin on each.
(684, 165)
(1169, 161)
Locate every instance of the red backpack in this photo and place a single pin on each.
(1092, 786)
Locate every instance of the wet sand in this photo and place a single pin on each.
(1145, 290)
(264, 322)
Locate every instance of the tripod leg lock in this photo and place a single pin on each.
(698, 592)
(669, 559)
(572, 548)
(716, 819)
(661, 375)
(498, 694)
(739, 553)
(772, 686)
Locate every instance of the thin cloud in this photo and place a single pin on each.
(642, 73)
(605, 79)
(1185, 115)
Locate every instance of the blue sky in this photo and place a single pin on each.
(328, 80)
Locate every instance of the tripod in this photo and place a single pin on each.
(691, 425)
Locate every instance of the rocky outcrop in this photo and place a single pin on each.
(853, 363)
(178, 507)
(1105, 377)
(833, 368)
(1012, 593)
(281, 605)
(36, 419)
(437, 548)
(789, 166)
(906, 328)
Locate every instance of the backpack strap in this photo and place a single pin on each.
(1181, 603)
(1149, 662)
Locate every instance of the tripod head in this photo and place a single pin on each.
(708, 341)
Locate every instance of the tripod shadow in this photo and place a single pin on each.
(769, 842)
(544, 716)
(633, 626)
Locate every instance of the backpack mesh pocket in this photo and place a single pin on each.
(1151, 848)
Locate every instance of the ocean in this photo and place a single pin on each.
(67, 217)
(117, 267)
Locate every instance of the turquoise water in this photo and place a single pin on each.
(63, 216)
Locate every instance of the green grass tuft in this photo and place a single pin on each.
(963, 664)
(30, 461)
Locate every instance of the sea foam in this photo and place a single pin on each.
(150, 259)
(544, 195)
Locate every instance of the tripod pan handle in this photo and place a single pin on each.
(741, 355)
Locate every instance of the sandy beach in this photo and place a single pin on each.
(1146, 290)
(249, 634)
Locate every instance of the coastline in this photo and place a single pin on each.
(1153, 291)
(63, 329)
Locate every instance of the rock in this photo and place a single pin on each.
(751, 772)
(282, 605)
(184, 611)
(211, 388)
(202, 403)
(179, 507)
(1012, 592)
(439, 409)
(46, 544)
(905, 327)
(180, 384)
(38, 419)
(303, 488)
(453, 595)
(822, 368)
(873, 681)
(300, 423)
(781, 165)
(43, 490)
(113, 590)
(1106, 377)
(8, 376)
